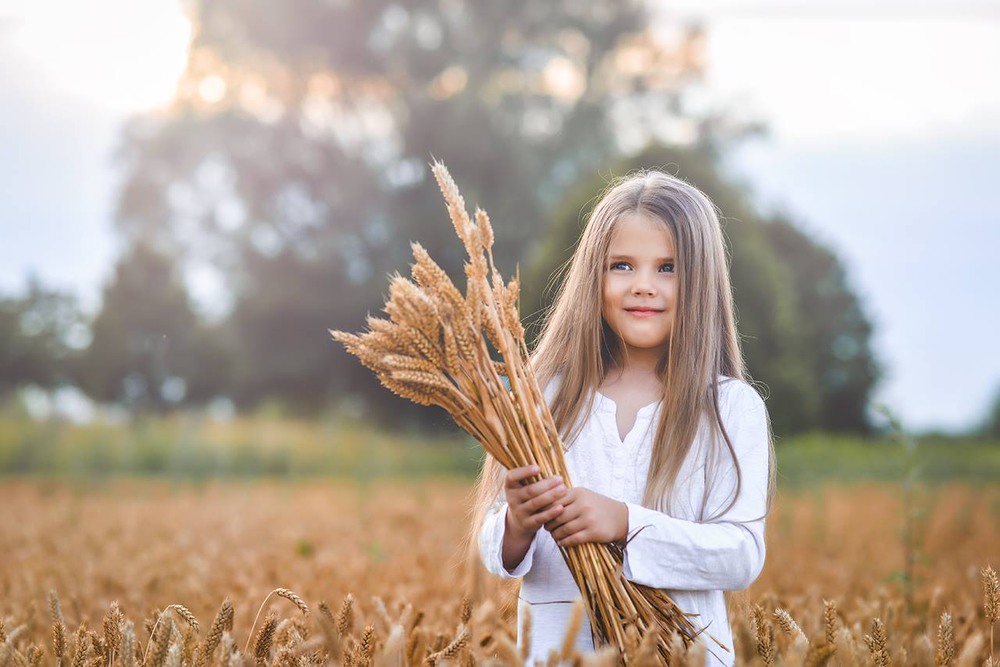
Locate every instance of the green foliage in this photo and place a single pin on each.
(38, 333)
(834, 331)
(305, 182)
(913, 528)
(193, 446)
(148, 350)
(805, 336)
(305, 549)
(991, 424)
(293, 167)
(812, 458)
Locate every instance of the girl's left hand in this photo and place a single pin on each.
(588, 516)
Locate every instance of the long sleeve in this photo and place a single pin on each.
(727, 552)
(491, 544)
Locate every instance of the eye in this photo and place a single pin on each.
(668, 267)
(619, 266)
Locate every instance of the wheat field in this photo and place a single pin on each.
(137, 573)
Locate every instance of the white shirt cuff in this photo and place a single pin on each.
(491, 547)
(639, 518)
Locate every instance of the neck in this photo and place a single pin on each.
(638, 364)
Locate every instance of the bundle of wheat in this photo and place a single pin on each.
(433, 351)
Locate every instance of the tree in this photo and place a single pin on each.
(39, 336)
(835, 331)
(294, 160)
(805, 335)
(991, 424)
(148, 350)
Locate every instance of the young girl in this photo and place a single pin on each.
(668, 447)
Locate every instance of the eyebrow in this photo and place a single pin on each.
(658, 259)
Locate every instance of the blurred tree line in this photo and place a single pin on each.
(291, 174)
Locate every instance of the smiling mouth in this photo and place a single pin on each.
(643, 311)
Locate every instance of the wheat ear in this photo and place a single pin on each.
(280, 592)
(991, 601)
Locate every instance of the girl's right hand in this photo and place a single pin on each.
(531, 506)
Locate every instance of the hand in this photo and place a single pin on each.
(588, 517)
(530, 506)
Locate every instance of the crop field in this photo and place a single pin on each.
(377, 574)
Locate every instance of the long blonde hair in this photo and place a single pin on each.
(577, 348)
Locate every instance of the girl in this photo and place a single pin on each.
(668, 447)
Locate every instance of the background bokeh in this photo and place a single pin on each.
(193, 193)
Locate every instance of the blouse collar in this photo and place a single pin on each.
(604, 404)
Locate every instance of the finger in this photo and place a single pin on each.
(520, 495)
(543, 485)
(568, 529)
(543, 500)
(569, 497)
(568, 514)
(564, 517)
(540, 519)
(517, 476)
(579, 537)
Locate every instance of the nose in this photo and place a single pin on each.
(642, 283)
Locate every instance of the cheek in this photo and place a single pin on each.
(614, 286)
(674, 293)
(607, 297)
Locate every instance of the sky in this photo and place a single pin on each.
(884, 143)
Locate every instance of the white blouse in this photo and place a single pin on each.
(694, 559)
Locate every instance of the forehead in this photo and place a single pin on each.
(641, 234)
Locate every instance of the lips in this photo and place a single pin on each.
(643, 312)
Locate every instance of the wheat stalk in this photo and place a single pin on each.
(819, 655)
(763, 633)
(281, 592)
(58, 628)
(877, 644)
(222, 623)
(294, 599)
(366, 648)
(128, 645)
(262, 642)
(345, 617)
(452, 649)
(162, 644)
(186, 614)
(80, 646)
(788, 625)
(991, 601)
(435, 349)
(946, 642)
(829, 620)
(113, 621)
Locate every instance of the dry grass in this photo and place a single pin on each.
(380, 568)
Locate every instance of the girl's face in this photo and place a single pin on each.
(639, 299)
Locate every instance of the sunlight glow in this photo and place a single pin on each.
(122, 55)
(212, 89)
